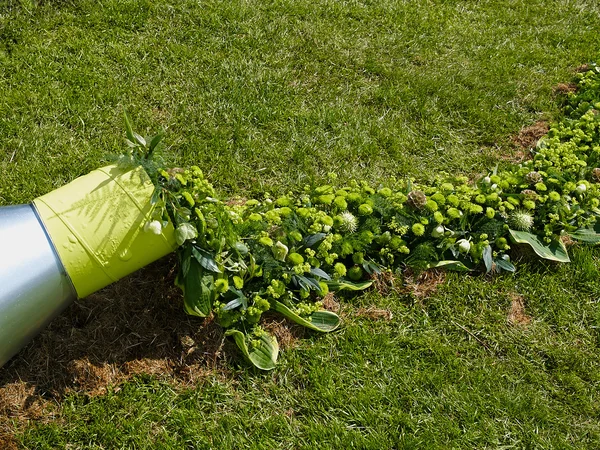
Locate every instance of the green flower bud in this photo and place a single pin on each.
(358, 258)
(365, 210)
(355, 273)
(295, 258)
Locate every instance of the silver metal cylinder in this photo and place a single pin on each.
(34, 288)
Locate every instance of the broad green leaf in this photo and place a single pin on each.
(320, 273)
(184, 232)
(155, 141)
(487, 258)
(205, 259)
(264, 355)
(555, 251)
(450, 265)
(313, 239)
(371, 268)
(139, 139)
(505, 265)
(344, 285)
(586, 235)
(198, 291)
(241, 247)
(323, 321)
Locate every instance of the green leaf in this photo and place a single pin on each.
(205, 259)
(585, 235)
(198, 291)
(450, 265)
(487, 258)
(555, 251)
(344, 285)
(320, 273)
(505, 265)
(139, 139)
(324, 321)
(264, 355)
(313, 239)
(184, 232)
(371, 268)
(155, 141)
(128, 127)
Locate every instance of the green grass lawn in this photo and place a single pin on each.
(267, 96)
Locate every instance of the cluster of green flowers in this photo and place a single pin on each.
(240, 259)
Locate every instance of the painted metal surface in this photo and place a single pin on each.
(34, 287)
(96, 223)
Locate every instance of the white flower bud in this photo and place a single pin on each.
(581, 188)
(437, 231)
(153, 227)
(487, 180)
(326, 228)
(464, 246)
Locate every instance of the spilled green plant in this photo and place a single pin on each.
(240, 258)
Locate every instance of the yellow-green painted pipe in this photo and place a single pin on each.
(96, 224)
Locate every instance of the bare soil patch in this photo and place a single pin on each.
(529, 136)
(136, 326)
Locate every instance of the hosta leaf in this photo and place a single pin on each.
(205, 259)
(450, 265)
(323, 321)
(198, 291)
(505, 265)
(487, 258)
(586, 235)
(555, 251)
(344, 285)
(264, 355)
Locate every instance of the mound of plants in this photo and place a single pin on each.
(240, 258)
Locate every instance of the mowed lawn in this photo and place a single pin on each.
(266, 96)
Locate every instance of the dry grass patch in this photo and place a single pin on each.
(529, 136)
(516, 313)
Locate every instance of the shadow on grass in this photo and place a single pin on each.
(134, 326)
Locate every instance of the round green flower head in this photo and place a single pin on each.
(355, 273)
(295, 258)
(418, 229)
(365, 210)
(340, 203)
(340, 269)
(221, 285)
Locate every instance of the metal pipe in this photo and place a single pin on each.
(34, 287)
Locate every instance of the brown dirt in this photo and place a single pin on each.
(564, 88)
(136, 326)
(583, 68)
(423, 284)
(529, 136)
(517, 314)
